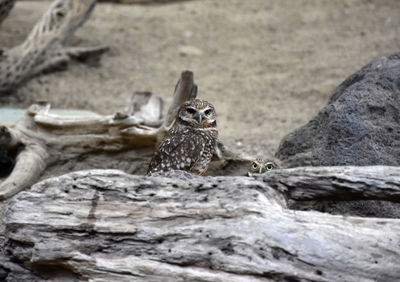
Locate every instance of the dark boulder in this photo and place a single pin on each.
(358, 126)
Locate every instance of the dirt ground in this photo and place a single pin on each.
(267, 66)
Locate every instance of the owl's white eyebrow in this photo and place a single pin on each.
(208, 108)
(185, 118)
(204, 128)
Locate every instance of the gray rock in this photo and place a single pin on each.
(358, 126)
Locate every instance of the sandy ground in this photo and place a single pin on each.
(267, 66)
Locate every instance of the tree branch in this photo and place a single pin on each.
(30, 164)
(185, 90)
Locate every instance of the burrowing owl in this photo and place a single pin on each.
(191, 142)
(261, 166)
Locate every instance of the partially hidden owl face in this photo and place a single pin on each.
(261, 166)
(198, 114)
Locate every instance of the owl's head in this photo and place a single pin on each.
(197, 113)
(261, 166)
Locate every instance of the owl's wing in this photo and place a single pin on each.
(177, 151)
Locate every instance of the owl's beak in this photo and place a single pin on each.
(199, 118)
(260, 169)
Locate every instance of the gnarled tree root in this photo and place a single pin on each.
(44, 50)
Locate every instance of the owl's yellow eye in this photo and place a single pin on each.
(254, 165)
(269, 166)
(207, 112)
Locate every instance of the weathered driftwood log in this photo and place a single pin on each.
(105, 225)
(44, 50)
(42, 140)
(336, 183)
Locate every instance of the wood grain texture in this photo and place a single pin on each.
(105, 225)
(337, 183)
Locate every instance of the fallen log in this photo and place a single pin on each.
(336, 183)
(105, 225)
